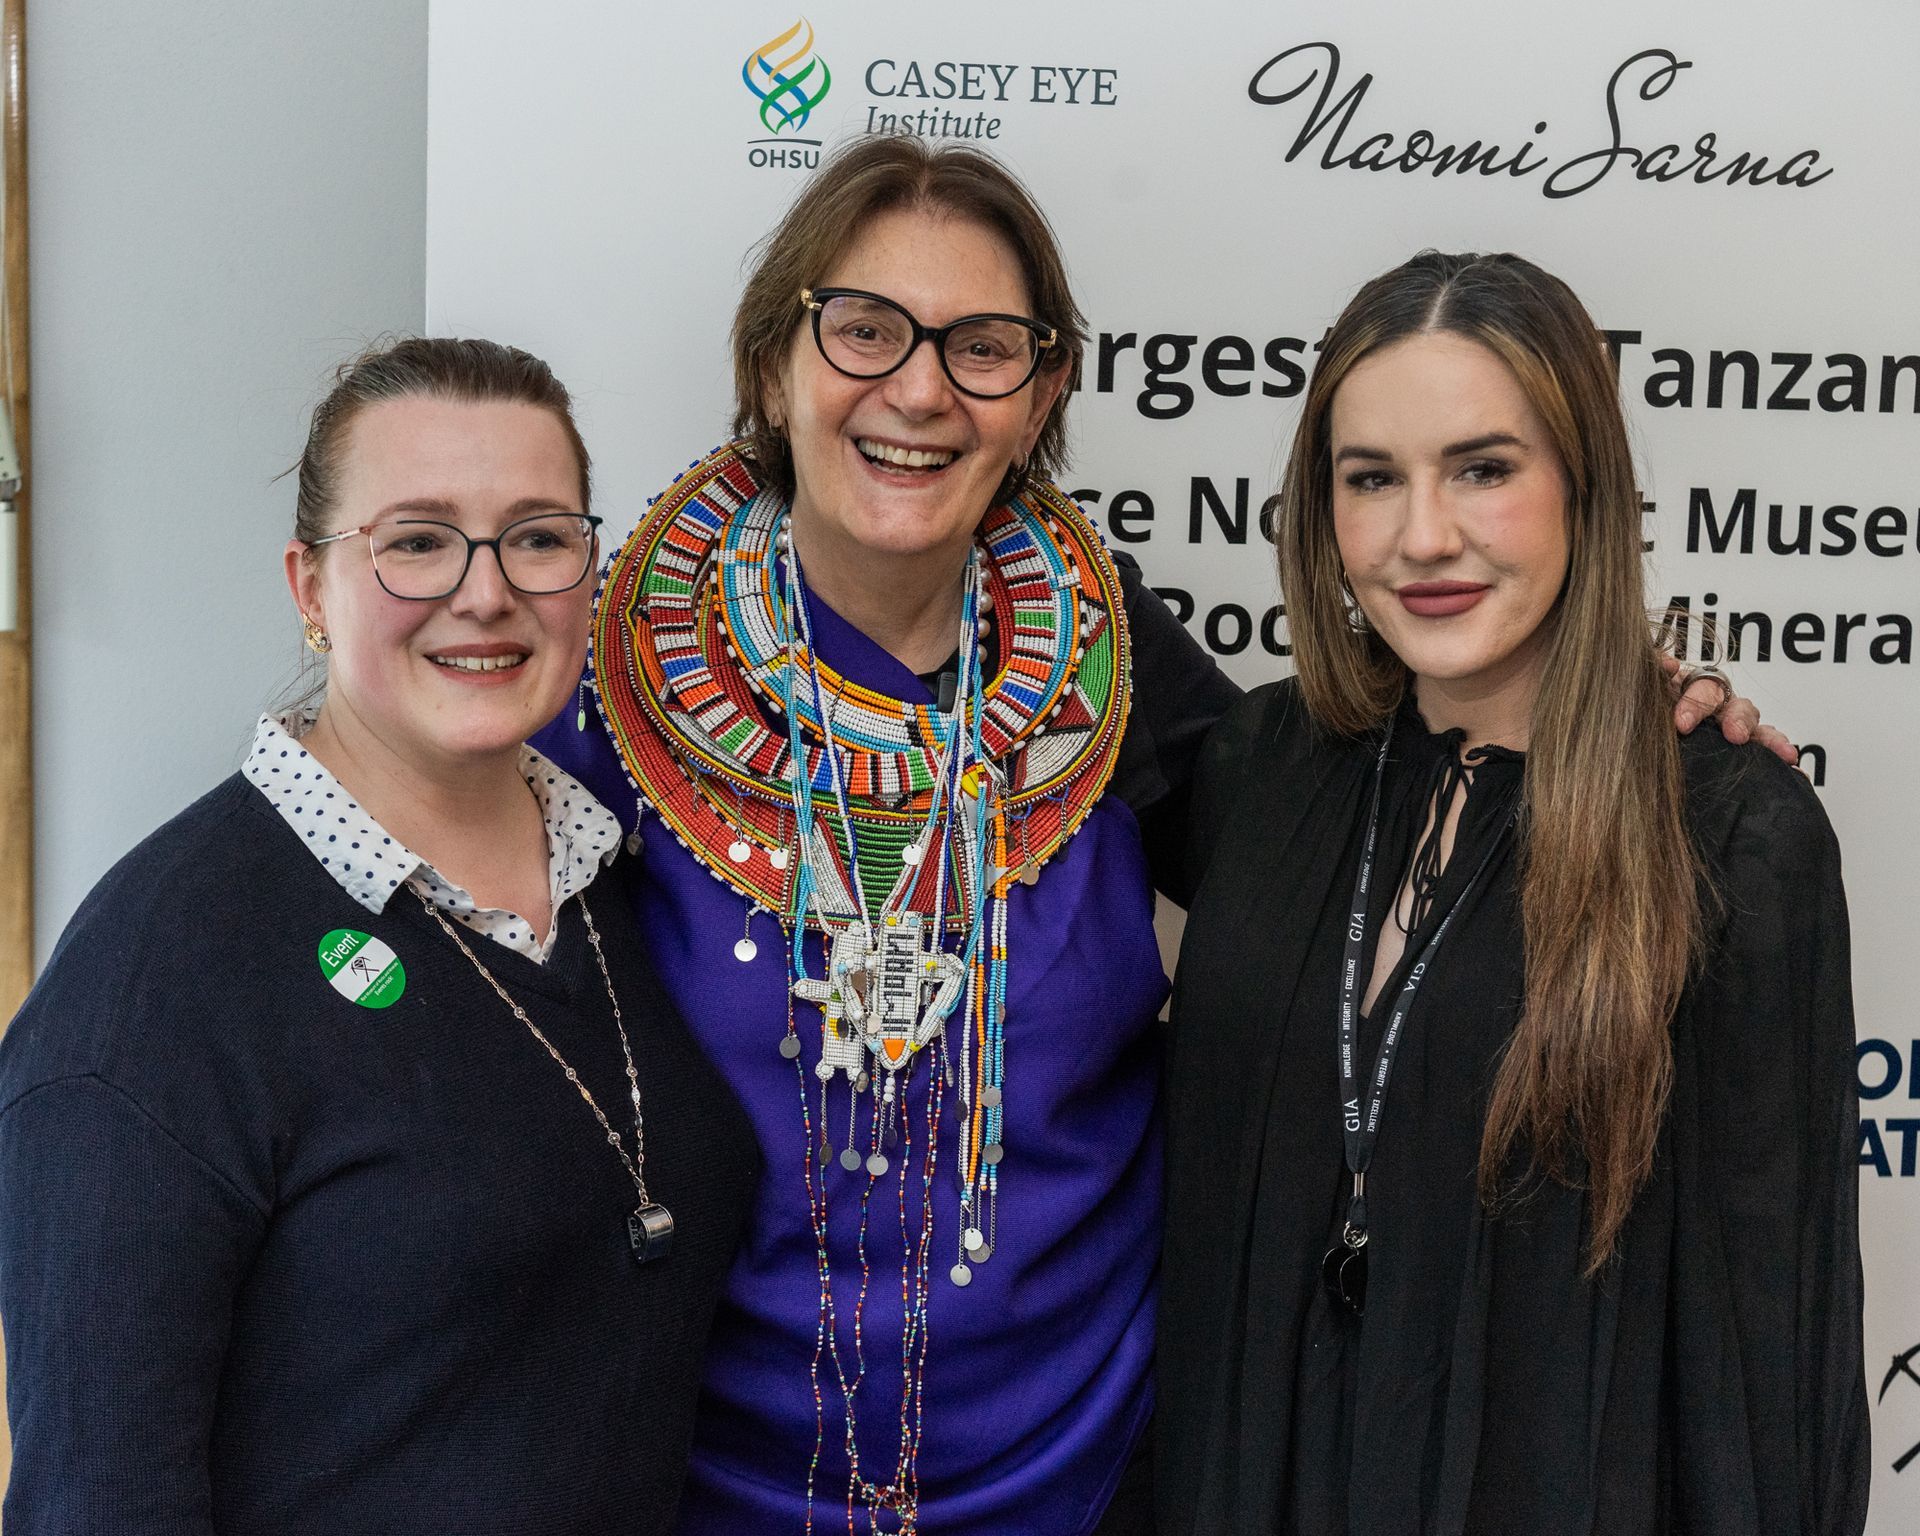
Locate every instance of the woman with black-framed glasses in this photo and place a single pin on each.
(356, 1173)
(925, 960)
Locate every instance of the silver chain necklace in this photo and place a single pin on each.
(650, 1227)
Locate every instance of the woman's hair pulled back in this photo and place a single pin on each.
(430, 367)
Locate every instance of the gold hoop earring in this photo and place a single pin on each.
(317, 640)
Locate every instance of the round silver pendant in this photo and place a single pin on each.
(990, 1097)
(1030, 873)
(910, 854)
(993, 1152)
(960, 1275)
(975, 1240)
(981, 1254)
(850, 1160)
(862, 1083)
(877, 1165)
(740, 850)
(745, 950)
(778, 858)
(790, 1044)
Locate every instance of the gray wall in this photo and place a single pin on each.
(227, 198)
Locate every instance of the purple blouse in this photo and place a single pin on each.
(1036, 1377)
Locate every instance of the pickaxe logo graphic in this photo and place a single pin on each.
(1902, 1366)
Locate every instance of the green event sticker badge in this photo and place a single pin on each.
(362, 969)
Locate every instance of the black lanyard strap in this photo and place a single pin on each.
(1361, 1105)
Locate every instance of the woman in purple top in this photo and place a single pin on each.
(943, 1317)
(925, 960)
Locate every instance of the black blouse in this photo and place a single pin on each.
(1710, 1379)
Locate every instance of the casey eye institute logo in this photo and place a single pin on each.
(790, 80)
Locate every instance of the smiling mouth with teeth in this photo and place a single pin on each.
(904, 458)
(478, 663)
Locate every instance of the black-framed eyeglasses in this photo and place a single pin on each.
(868, 336)
(421, 560)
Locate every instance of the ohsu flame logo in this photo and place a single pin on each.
(788, 77)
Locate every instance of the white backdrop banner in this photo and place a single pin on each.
(1728, 185)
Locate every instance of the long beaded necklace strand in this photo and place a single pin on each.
(841, 1048)
(650, 1227)
(807, 792)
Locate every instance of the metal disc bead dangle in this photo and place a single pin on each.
(789, 1044)
(779, 858)
(650, 1231)
(911, 854)
(877, 1165)
(992, 1152)
(745, 950)
(990, 1097)
(739, 850)
(974, 1240)
(960, 1275)
(850, 1160)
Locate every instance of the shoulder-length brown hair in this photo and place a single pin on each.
(867, 177)
(1610, 883)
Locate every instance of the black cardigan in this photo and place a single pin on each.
(1709, 1382)
(274, 1262)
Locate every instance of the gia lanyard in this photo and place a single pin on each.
(1344, 1269)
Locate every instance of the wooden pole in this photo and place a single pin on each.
(16, 648)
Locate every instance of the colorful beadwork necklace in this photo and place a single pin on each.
(886, 833)
(873, 999)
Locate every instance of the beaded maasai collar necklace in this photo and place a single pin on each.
(690, 661)
(902, 840)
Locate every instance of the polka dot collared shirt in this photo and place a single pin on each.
(582, 835)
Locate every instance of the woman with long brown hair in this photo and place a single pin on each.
(1512, 1107)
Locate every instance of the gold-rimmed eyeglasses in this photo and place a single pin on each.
(420, 560)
